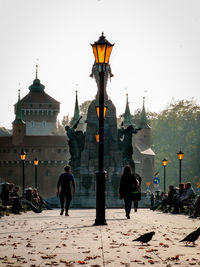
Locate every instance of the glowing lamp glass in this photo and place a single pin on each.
(102, 50)
(97, 137)
(35, 161)
(164, 162)
(104, 111)
(23, 155)
(180, 155)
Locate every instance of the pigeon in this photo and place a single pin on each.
(145, 238)
(192, 237)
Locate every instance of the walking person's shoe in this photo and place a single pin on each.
(66, 213)
(62, 211)
(135, 209)
(128, 216)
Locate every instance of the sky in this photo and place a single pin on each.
(156, 52)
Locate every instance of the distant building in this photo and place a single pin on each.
(4, 131)
(35, 120)
(39, 110)
(143, 155)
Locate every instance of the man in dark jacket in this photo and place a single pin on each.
(67, 184)
(168, 200)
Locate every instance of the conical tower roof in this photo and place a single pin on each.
(143, 117)
(37, 94)
(76, 111)
(18, 117)
(128, 120)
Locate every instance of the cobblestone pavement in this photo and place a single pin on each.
(48, 239)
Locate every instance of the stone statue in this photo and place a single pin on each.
(125, 143)
(76, 143)
(95, 75)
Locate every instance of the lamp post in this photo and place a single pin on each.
(23, 158)
(36, 164)
(102, 50)
(164, 163)
(180, 157)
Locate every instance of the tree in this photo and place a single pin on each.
(84, 109)
(60, 130)
(177, 127)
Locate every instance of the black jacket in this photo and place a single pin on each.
(65, 181)
(128, 184)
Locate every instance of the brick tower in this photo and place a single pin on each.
(39, 110)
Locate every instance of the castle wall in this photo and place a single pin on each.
(52, 159)
(40, 128)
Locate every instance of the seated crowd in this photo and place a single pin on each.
(176, 199)
(9, 196)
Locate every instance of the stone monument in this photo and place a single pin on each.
(119, 146)
(85, 164)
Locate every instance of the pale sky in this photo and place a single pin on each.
(157, 49)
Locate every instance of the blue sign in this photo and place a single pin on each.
(156, 180)
(198, 190)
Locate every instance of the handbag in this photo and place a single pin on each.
(136, 194)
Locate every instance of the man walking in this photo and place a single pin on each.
(66, 182)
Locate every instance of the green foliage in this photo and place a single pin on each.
(84, 108)
(177, 127)
(60, 130)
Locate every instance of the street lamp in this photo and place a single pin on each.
(102, 50)
(23, 158)
(164, 163)
(180, 157)
(36, 164)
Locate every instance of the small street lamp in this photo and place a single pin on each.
(164, 163)
(23, 158)
(180, 157)
(36, 164)
(102, 50)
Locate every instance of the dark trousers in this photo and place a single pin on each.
(128, 204)
(67, 199)
(179, 205)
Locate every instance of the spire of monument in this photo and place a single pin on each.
(18, 117)
(36, 71)
(143, 117)
(76, 110)
(18, 95)
(128, 120)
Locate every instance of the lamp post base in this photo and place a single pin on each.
(100, 198)
(97, 222)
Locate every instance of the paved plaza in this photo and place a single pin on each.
(48, 239)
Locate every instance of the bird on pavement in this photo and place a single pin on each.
(145, 238)
(192, 237)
